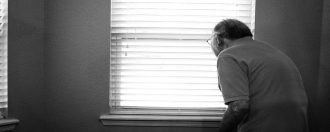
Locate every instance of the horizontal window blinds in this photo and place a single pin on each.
(159, 55)
(3, 54)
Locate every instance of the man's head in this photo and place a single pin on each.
(226, 31)
(232, 29)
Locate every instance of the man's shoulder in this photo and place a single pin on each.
(252, 51)
(238, 51)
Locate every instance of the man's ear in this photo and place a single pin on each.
(220, 41)
(226, 42)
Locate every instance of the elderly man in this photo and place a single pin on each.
(260, 84)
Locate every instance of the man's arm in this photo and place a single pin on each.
(235, 113)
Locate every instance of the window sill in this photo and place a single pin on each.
(160, 120)
(8, 124)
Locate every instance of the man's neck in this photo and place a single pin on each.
(231, 43)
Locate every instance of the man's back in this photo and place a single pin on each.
(278, 101)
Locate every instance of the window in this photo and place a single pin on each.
(3, 56)
(160, 62)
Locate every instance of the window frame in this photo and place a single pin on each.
(162, 117)
(4, 41)
(6, 124)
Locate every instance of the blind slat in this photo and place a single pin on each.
(118, 61)
(170, 104)
(151, 18)
(196, 92)
(167, 79)
(215, 13)
(188, 86)
(165, 68)
(165, 73)
(158, 30)
(182, 6)
(155, 42)
(166, 50)
(161, 36)
(197, 25)
(146, 111)
(185, 1)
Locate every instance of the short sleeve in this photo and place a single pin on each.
(233, 79)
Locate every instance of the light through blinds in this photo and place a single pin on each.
(159, 55)
(3, 55)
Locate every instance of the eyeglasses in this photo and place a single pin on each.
(209, 41)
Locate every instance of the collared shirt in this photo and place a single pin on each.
(255, 71)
